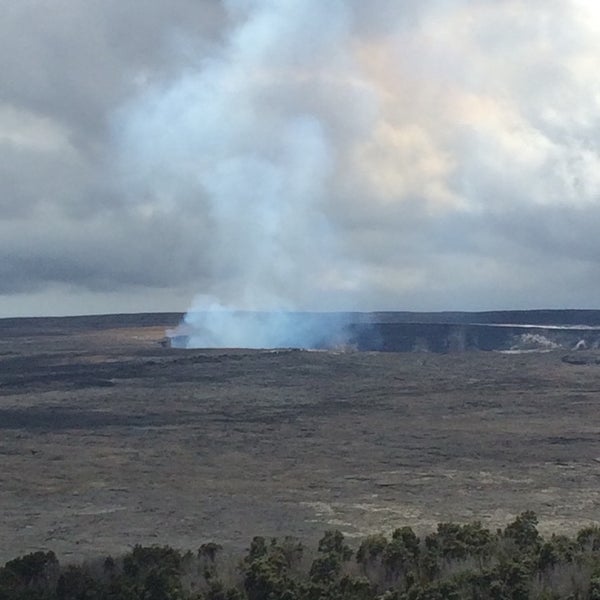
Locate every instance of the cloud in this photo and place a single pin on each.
(450, 152)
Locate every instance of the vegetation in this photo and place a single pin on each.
(454, 562)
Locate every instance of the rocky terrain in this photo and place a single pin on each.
(108, 438)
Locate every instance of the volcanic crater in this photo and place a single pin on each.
(110, 438)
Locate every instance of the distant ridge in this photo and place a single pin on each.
(25, 325)
(589, 317)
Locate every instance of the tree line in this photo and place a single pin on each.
(454, 562)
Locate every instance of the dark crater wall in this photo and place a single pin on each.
(526, 330)
(447, 337)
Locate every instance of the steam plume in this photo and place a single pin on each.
(241, 135)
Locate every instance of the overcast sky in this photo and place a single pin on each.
(382, 155)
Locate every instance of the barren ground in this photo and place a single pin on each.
(108, 439)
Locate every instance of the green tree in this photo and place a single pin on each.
(523, 531)
(77, 583)
(36, 573)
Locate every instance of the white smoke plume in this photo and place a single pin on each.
(246, 134)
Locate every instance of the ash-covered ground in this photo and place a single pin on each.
(108, 439)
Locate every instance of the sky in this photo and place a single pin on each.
(298, 154)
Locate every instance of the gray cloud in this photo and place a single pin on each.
(454, 144)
